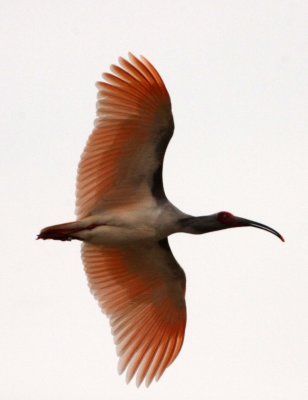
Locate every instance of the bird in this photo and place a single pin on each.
(124, 219)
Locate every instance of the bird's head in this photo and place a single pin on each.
(226, 220)
(219, 221)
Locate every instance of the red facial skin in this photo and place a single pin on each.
(226, 218)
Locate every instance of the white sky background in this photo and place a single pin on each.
(237, 75)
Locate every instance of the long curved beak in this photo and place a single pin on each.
(247, 222)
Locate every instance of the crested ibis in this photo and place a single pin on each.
(124, 219)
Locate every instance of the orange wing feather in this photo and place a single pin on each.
(142, 290)
(133, 127)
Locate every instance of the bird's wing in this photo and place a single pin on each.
(122, 161)
(142, 291)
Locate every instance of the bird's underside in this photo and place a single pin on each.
(124, 219)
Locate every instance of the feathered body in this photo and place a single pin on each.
(124, 219)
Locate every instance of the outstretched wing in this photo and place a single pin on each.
(122, 161)
(142, 291)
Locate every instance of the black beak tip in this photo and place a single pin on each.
(281, 238)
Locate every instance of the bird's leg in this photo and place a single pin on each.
(64, 232)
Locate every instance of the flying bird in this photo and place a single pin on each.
(124, 219)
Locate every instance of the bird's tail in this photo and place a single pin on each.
(61, 232)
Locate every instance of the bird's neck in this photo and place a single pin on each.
(199, 225)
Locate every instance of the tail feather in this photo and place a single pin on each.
(61, 231)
